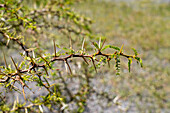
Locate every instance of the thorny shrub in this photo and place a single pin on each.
(30, 25)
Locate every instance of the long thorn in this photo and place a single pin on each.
(45, 61)
(33, 54)
(54, 48)
(46, 70)
(68, 66)
(5, 60)
(7, 41)
(99, 42)
(24, 93)
(94, 64)
(12, 85)
(14, 64)
(108, 61)
(121, 49)
(46, 81)
(85, 60)
(32, 61)
(82, 48)
(103, 44)
(28, 88)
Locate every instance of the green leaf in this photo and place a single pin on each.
(113, 47)
(139, 59)
(141, 64)
(22, 64)
(69, 51)
(117, 73)
(117, 65)
(96, 45)
(66, 49)
(12, 19)
(136, 53)
(129, 63)
(72, 51)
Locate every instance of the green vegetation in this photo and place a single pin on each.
(65, 47)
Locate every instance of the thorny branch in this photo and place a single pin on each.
(55, 58)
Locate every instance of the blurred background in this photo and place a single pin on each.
(144, 25)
